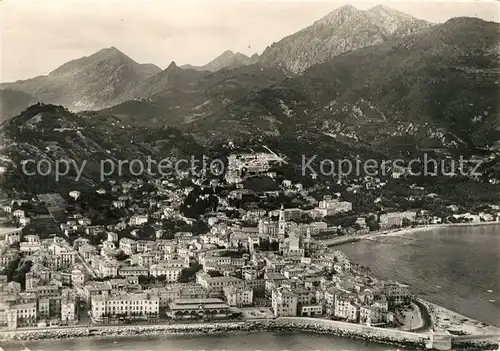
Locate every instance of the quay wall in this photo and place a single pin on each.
(311, 325)
(352, 328)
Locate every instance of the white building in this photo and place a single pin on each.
(329, 207)
(128, 246)
(238, 296)
(138, 220)
(18, 213)
(30, 244)
(138, 304)
(171, 273)
(284, 302)
(75, 194)
(346, 306)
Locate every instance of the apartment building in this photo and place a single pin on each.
(215, 285)
(163, 269)
(284, 302)
(238, 296)
(346, 306)
(139, 305)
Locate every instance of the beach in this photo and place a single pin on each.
(452, 266)
(423, 228)
(456, 323)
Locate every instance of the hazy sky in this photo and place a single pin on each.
(38, 36)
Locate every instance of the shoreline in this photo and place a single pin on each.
(442, 319)
(423, 228)
(446, 318)
(399, 231)
(455, 322)
(399, 338)
(310, 325)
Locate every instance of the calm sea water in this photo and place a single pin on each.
(234, 341)
(454, 267)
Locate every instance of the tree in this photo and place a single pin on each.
(121, 256)
(406, 222)
(20, 274)
(11, 268)
(188, 273)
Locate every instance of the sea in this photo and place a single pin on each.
(456, 267)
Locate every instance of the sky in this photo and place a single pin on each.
(38, 36)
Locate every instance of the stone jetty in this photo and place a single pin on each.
(310, 325)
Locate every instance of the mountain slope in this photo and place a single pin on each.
(13, 102)
(53, 133)
(343, 30)
(227, 59)
(437, 88)
(177, 96)
(172, 77)
(91, 82)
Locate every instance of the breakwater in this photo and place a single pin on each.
(395, 337)
(311, 325)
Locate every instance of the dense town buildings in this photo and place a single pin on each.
(153, 262)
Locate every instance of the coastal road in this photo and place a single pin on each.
(425, 316)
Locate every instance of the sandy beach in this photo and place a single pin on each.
(443, 318)
(457, 323)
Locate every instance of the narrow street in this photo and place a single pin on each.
(89, 269)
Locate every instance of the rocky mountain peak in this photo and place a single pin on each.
(90, 82)
(344, 29)
(172, 66)
(384, 10)
(228, 59)
(341, 15)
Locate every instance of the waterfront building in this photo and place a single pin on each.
(396, 219)
(122, 304)
(14, 315)
(397, 293)
(238, 296)
(209, 308)
(284, 302)
(69, 307)
(310, 310)
(346, 306)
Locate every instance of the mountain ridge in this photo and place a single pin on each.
(227, 60)
(344, 29)
(90, 82)
(437, 88)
